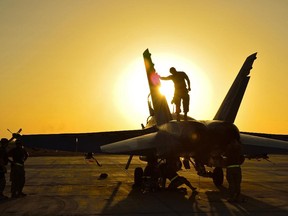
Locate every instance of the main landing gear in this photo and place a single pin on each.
(217, 175)
(138, 175)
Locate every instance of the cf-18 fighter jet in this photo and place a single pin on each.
(200, 143)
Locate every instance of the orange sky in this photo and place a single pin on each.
(77, 66)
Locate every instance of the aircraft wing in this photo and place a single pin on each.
(81, 142)
(135, 145)
(256, 145)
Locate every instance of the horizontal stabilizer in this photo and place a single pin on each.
(255, 145)
(136, 145)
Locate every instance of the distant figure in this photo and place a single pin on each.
(180, 92)
(3, 163)
(233, 170)
(17, 176)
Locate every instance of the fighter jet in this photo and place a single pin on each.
(201, 143)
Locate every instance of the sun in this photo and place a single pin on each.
(131, 91)
(167, 89)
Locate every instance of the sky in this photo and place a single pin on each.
(77, 66)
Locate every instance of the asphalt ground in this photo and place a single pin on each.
(71, 186)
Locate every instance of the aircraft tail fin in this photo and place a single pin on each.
(230, 105)
(161, 109)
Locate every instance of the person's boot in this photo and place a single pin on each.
(2, 197)
(178, 117)
(185, 117)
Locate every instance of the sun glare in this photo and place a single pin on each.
(133, 86)
(167, 89)
(131, 92)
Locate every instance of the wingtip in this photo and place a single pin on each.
(253, 55)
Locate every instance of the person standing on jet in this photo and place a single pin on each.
(233, 171)
(17, 176)
(181, 91)
(3, 163)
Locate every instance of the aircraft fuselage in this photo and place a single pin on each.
(205, 141)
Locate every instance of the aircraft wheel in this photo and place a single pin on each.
(138, 174)
(218, 176)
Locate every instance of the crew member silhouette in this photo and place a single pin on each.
(180, 91)
(3, 162)
(17, 174)
(233, 171)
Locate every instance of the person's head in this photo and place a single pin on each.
(4, 142)
(172, 70)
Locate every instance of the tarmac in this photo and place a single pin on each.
(72, 186)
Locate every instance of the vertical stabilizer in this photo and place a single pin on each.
(160, 105)
(229, 107)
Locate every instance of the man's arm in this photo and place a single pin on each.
(9, 154)
(26, 154)
(166, 78)
(188, 81)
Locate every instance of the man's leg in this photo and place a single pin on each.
(177, 101)
(13, 179)
(183, 180)
(21, 181)
(238, 179)
(231, 181)
(2, 184)
(185, 102)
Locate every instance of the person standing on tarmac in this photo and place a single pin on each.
(3, 163)
(180, 91)
(233, 171)
(17, 176)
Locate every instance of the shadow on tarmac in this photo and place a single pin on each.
(211, 202)
(153, 203)
(246, 206)
(179, 203)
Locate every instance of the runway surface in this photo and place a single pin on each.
(71, 186)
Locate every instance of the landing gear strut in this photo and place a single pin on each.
(217, 174)
(138, 174)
